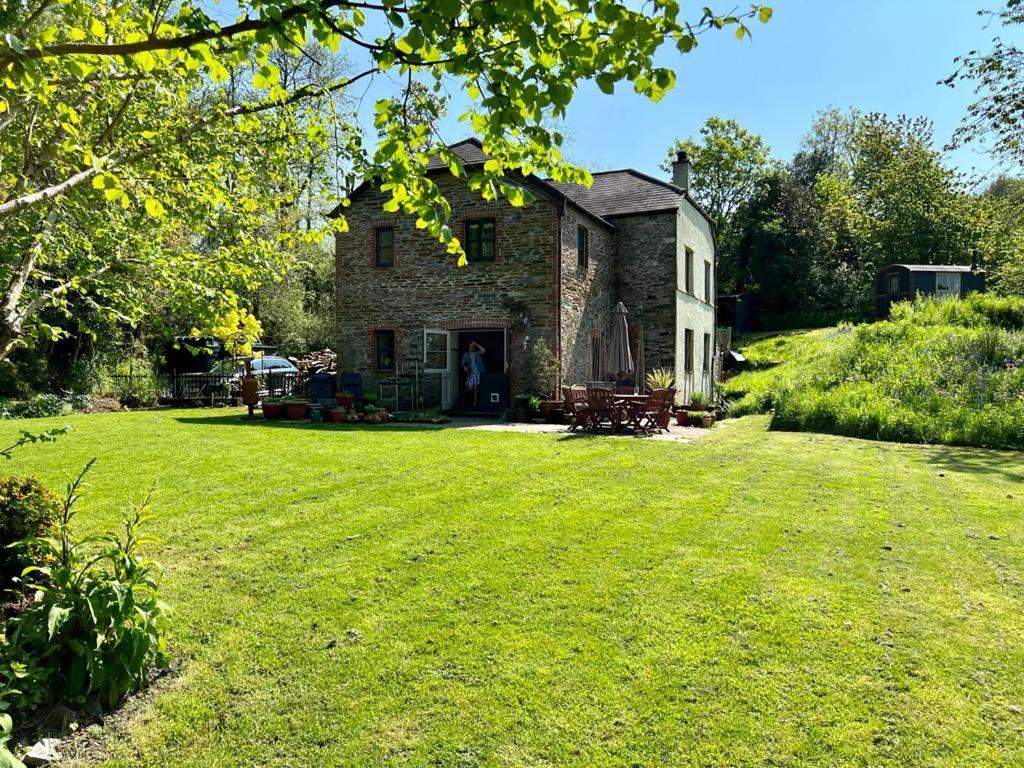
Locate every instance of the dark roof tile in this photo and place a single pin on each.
(619, 193)
(470, 151)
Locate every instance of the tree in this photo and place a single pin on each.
(128, 129)
(728, 162)
(997, 76)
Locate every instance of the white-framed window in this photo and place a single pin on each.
(947, 284)
(436, 346)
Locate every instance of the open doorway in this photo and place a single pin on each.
(493, 392)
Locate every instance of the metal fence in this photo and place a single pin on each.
(207, 388)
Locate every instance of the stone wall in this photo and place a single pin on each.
(587, 294)
(646, 282)
(425, 288)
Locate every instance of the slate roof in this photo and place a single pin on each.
(613, 193)
(620, 193)
(470, 151)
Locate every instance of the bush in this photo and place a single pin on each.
(135, 384)
(27, 510)
(96, 628)
(940, 372)
(35, 407)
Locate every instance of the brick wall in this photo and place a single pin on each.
(425, 288)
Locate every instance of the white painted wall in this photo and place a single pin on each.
(694, 310)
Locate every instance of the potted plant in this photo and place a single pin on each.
(271, 408)
(295, 410)
(696, 418)
(661, 378)
(345, 399)
(707, 420)
(682, 418)
(335, 415)
(699, 401)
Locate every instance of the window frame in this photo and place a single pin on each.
(582, 253)
(688, 344)
(705, 364)
(377, 231)
(707, 282)
(378, 334)
(596, 362)
(477, 241)
(890, 279)
(955, 280)
(688, 270)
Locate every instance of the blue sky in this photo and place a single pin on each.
(877, 55)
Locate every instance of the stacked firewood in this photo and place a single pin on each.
(323, 361)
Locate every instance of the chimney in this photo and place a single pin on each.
(681, 171)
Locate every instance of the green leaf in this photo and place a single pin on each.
(606, 82)
(267, 76)
(55, 620)
(97, 28)
(155, 208)
(765, 14)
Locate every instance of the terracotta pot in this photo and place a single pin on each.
(295, 411)
(707, 420)
(682, 418)
(271, 410)
(335, 415)
(345, 401)
(663, 419)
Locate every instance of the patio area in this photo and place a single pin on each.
(675, 434)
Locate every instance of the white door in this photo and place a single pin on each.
(437, 358)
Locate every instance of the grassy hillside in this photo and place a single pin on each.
(937, 372)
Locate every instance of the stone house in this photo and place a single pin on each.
(545, 275)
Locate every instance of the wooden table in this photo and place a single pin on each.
(630, 409)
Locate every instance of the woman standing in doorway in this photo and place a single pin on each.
(473, 365)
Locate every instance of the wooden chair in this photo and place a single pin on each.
(576, 406)
(657, 405)
(602, 407)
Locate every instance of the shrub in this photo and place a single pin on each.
(135, 384)
(27, 510)
(540, 368)
(96, 628)
(35, 407)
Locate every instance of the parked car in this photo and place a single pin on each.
(224, 380)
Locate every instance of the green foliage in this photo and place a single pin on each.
(36, 407)
(95, 630)
(297, 312)
(135, 383)
(152, 154)
(660, 378)
(540, 368)
(28, 509)
(7, 758)
(936, 373)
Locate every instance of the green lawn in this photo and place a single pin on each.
(441, 597)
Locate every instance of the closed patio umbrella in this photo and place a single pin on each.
(620, 360)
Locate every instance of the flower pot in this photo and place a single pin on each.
(663, 420)
(271, 410)
(295, 411)
(345, 401)
(707, 420)
(335, 415)
(682, 418)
